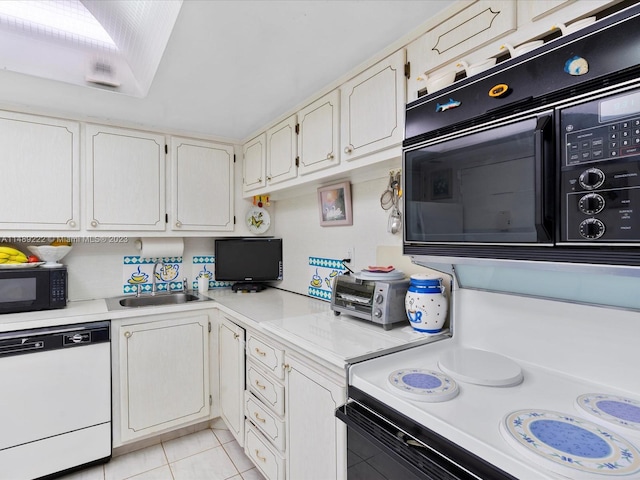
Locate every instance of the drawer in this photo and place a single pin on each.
(264, 456)
(267, 389)
(270, 425)
(271, 358)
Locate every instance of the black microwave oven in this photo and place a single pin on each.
(530, 161)
(31, 289)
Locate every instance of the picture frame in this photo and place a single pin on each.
(334, 205)
(440, 184)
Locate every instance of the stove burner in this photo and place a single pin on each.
(480, 367)
(616, 411)
(423, 385)
(564, 441)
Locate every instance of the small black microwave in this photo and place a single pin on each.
(31, 289)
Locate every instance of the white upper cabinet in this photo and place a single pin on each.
(372, 106)
(476, 24)
(254, 157)
(40, 173)
(201, 185)
(318, 138)
(282, 146)
(125, 179)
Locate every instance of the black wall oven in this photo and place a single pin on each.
(384, 444)
(530, 161)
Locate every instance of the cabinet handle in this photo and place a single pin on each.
(94, 223)
(236, 336)
(261, 387)
(127, 334)
(329, 156)
(178, 224)
(269, 178)
(260, 352)
(286, 367)
(72, 224)
(259, 418)
(348, 149)
(261, 458)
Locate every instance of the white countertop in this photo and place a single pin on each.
(306, 323)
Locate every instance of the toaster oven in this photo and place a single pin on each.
(380, 302)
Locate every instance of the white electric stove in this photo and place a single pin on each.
(526, 419)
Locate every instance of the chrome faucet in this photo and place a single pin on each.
(154, 287)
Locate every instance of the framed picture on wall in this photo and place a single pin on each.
(334, 205)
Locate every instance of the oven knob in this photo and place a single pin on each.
(592, 228)
(591, 203)
(379, 298)
(377, 313)
(591, 178)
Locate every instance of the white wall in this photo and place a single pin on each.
(297, 222)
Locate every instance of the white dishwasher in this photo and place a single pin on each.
(55, 409)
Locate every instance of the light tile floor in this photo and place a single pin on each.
(211, 454)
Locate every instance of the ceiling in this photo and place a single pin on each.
(231, 67)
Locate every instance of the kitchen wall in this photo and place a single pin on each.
(298, 223)
(96, 268)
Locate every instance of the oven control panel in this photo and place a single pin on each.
(600, 171)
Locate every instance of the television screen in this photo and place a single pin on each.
(248, 260)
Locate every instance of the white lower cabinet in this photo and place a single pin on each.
(162, 374)
(316, 439)
(269, 461)
(289, 404)
(232, 365)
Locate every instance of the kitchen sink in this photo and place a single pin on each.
(160, 299)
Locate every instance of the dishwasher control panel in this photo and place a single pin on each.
(54, 338)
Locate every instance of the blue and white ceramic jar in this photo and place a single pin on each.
(426, 303)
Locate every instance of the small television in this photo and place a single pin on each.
(249, 262)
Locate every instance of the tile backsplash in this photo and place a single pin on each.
(138, 271)
(322, 271)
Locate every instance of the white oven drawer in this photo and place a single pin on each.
(264, 456)
(271, 358)
(269, 424)
(268, 390)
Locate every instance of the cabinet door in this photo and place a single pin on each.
(40, 173)
(232, 364)
(372, 106)
(125, 179)
(164, 375)
(312, 400)
(201, 185)
(475, 25)
(282, 145)
(318, 141)
(254, 157)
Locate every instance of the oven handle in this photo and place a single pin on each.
(421, 459)
(544, 175)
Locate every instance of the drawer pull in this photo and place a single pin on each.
(261, 387)
(258, 417)
(260, 352)
(260, 457)
(236, 336)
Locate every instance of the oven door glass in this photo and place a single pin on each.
(489, 187)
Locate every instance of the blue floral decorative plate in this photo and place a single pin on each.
(618, 411)
(565, 441)
(423, 385)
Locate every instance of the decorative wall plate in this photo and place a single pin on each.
(423, 385)
(258, 220)
(614, 410)
(562, 441)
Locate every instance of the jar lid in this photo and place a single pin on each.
(426, 279)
